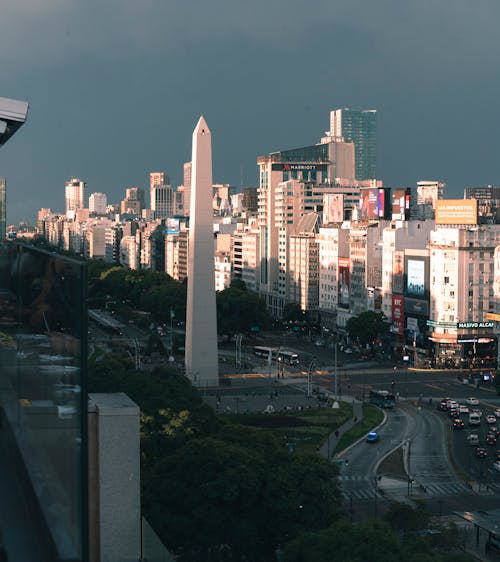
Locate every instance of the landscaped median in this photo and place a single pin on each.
(372, 417)
(300, 430)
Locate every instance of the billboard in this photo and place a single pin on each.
(398, 272)
(374, 203)
(398, 304)
(416, 277)
(344, 283)
(173, 226)
(401, 204)
(456, 211)
(333, 208)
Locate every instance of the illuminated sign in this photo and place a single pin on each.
(475, 325)
(173, 226)
(344, 283)
(433, 324)
(401, 204)
(374, 203)
(456, 211)
(397, 314)
(493, 316)
(289, 167)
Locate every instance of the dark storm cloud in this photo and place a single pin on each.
(116, 87)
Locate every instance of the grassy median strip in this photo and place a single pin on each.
(372, 416)
(302, 431)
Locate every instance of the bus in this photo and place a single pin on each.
(288, 357)
(382, 398)
(268, 353)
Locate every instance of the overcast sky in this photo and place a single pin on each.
(116, 87)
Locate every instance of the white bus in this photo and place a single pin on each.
(288, 357)
(268, 353)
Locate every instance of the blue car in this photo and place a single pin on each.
(372, 437)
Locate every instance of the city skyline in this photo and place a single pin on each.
(114, 108)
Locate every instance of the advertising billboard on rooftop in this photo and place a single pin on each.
(456, 211)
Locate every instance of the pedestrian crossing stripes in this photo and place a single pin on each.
(367, 493)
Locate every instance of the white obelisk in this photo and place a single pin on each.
(202, 366)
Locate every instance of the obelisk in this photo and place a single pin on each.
(202, 366)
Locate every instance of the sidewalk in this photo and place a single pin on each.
(329, 445)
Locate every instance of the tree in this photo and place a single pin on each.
(292, 313)
(366, 326)
(238, 310)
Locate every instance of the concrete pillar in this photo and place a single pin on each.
(114, 479)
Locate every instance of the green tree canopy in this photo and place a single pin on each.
(366, 326)
(238, 310)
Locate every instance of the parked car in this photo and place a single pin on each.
(458, 423)
(472, 401)
(490, 418)
(372, 437)
(481, 453)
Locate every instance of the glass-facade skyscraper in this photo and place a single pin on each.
(359, 127)
(3, 210)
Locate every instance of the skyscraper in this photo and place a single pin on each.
(75, 195)
(3, 211)
(359, 127)
(161, 195)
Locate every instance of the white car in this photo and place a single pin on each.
(463, 409)
(497, 412)
(472, 401)
(490, 418)
(496, 466)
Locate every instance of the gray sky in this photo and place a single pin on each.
(116, 87)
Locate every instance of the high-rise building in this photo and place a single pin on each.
(3, 210)
(75, 195)
(98, 203)
(133, 202)
(428, 192)
(359, 127)
(161, 195)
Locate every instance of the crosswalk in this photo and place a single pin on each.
(362, 488)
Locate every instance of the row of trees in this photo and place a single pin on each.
(126, 291)
(238, 310)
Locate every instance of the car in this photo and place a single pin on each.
(452, 405)
(497, 412)
(493, 429)
(458, 423)
(490, 418)
(463, 409)
(491, 439)
(348, 350)
(472, 401)
(453, 413)
(481, 452)
(473, 439)
(496, 466)
(497, 455)
(372, 437)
